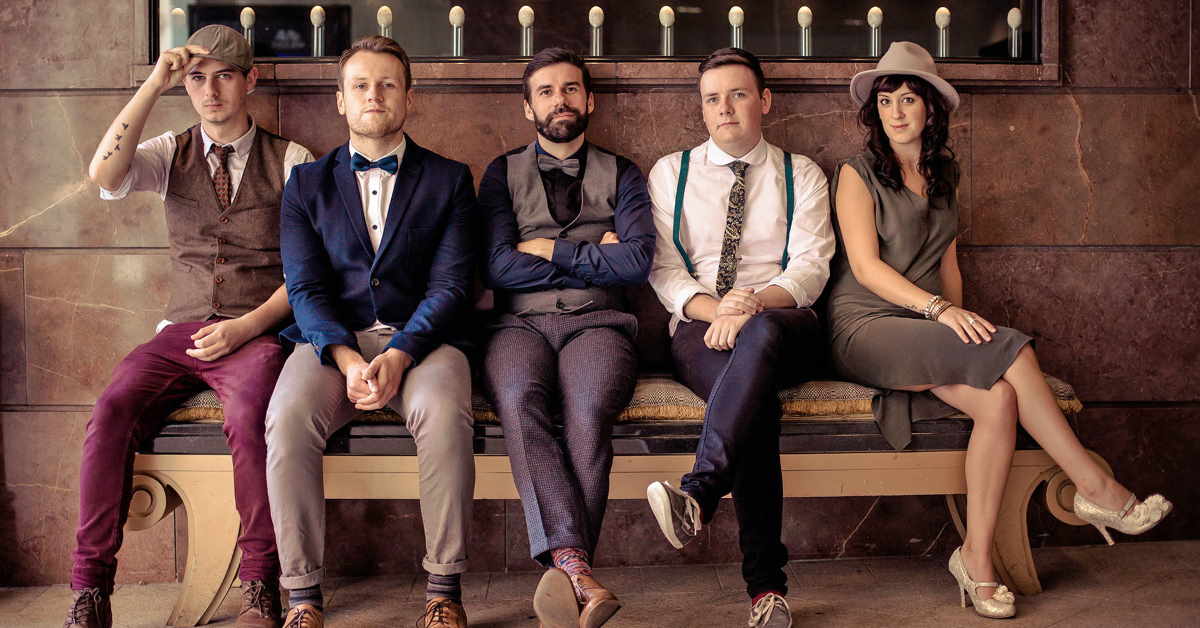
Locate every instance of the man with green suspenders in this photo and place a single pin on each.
(744, 242)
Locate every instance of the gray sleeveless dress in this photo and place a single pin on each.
(883, 345)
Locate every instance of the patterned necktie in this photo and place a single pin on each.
(222, 183)
(727, 268)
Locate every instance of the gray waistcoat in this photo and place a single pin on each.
(598, 196)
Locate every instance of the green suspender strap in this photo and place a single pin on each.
(683, 171)
(789, 185)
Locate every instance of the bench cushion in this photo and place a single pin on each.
(660, 398)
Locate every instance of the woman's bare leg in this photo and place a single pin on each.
(989, 458)
(1041, 417)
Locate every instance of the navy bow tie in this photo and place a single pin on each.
(359, 163)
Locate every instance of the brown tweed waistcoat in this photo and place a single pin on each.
(223, 263)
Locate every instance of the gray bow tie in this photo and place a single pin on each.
(569, 167)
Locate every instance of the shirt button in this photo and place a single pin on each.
(219, 279)
(375, 227)
(221, 260)
(374, 283)
(224, 220)
(373, 192)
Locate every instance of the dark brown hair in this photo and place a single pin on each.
(937, 162)
(553, 56)
(381, 44)
(735, 56)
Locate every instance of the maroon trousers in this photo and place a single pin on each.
(146, 386)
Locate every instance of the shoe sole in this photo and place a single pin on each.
(660, 505)
(554, 600)
(599, 614)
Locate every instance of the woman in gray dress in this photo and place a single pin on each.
(897, 321)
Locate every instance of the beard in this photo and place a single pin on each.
(562, 131)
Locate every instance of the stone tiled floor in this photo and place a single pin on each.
(1144, 585)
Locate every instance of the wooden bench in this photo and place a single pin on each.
(830, 447)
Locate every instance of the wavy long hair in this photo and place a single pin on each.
(937, 162)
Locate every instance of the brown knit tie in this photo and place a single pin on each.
(727, 267)
(222, 183)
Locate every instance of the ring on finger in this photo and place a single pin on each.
(971, 320)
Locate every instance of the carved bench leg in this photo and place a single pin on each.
(213, 555)
(1011, 555)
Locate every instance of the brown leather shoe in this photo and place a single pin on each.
(443, 612)
(260, 605)
(599, 604)
(554, 600)
(89, 609)
(304, 616)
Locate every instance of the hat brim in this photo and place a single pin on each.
(224, 60)
(860, 85)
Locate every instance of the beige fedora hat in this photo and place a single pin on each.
(906, 58)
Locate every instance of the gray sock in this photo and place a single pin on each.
(444, 586)
(308, 595)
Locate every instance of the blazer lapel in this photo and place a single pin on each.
(347, 185)
(407, 177)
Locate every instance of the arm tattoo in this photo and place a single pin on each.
(124, 126)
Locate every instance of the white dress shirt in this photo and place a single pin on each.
(375, 189)
(760, 251)
(150, 170)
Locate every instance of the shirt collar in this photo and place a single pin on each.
(756, 157)
(241, 146)
(398, 151)
(579, 154)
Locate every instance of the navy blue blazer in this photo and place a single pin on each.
(419, 280)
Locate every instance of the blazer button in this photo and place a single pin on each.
(374, 283)
(219, 279)
(224, 220)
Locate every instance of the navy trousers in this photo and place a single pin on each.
(738, 450)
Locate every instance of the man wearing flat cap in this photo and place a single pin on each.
(221, 182)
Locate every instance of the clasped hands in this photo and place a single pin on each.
(733, 310)
(371, 385)
(544, 247)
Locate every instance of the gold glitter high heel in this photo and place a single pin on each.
(1134, 518)
(1000, 605)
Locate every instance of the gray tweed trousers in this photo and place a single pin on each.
(576, 371)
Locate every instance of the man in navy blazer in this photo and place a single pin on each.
(377, 258)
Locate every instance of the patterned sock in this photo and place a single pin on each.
(308, 595)
(444, 586)
(574, 561)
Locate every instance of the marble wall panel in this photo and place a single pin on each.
(40, 505)
(1117, 323)
(1120, 44)
(44, 157)
(12, 328)
(1085, 169)
(1151, 449)
(377, 537)
(85, 313)
(60, 44)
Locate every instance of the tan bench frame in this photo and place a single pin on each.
(203, 484)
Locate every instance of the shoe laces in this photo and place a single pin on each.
(257, 596)
(87, 602)
(435, 614)
(764, 608)
(302, 619)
